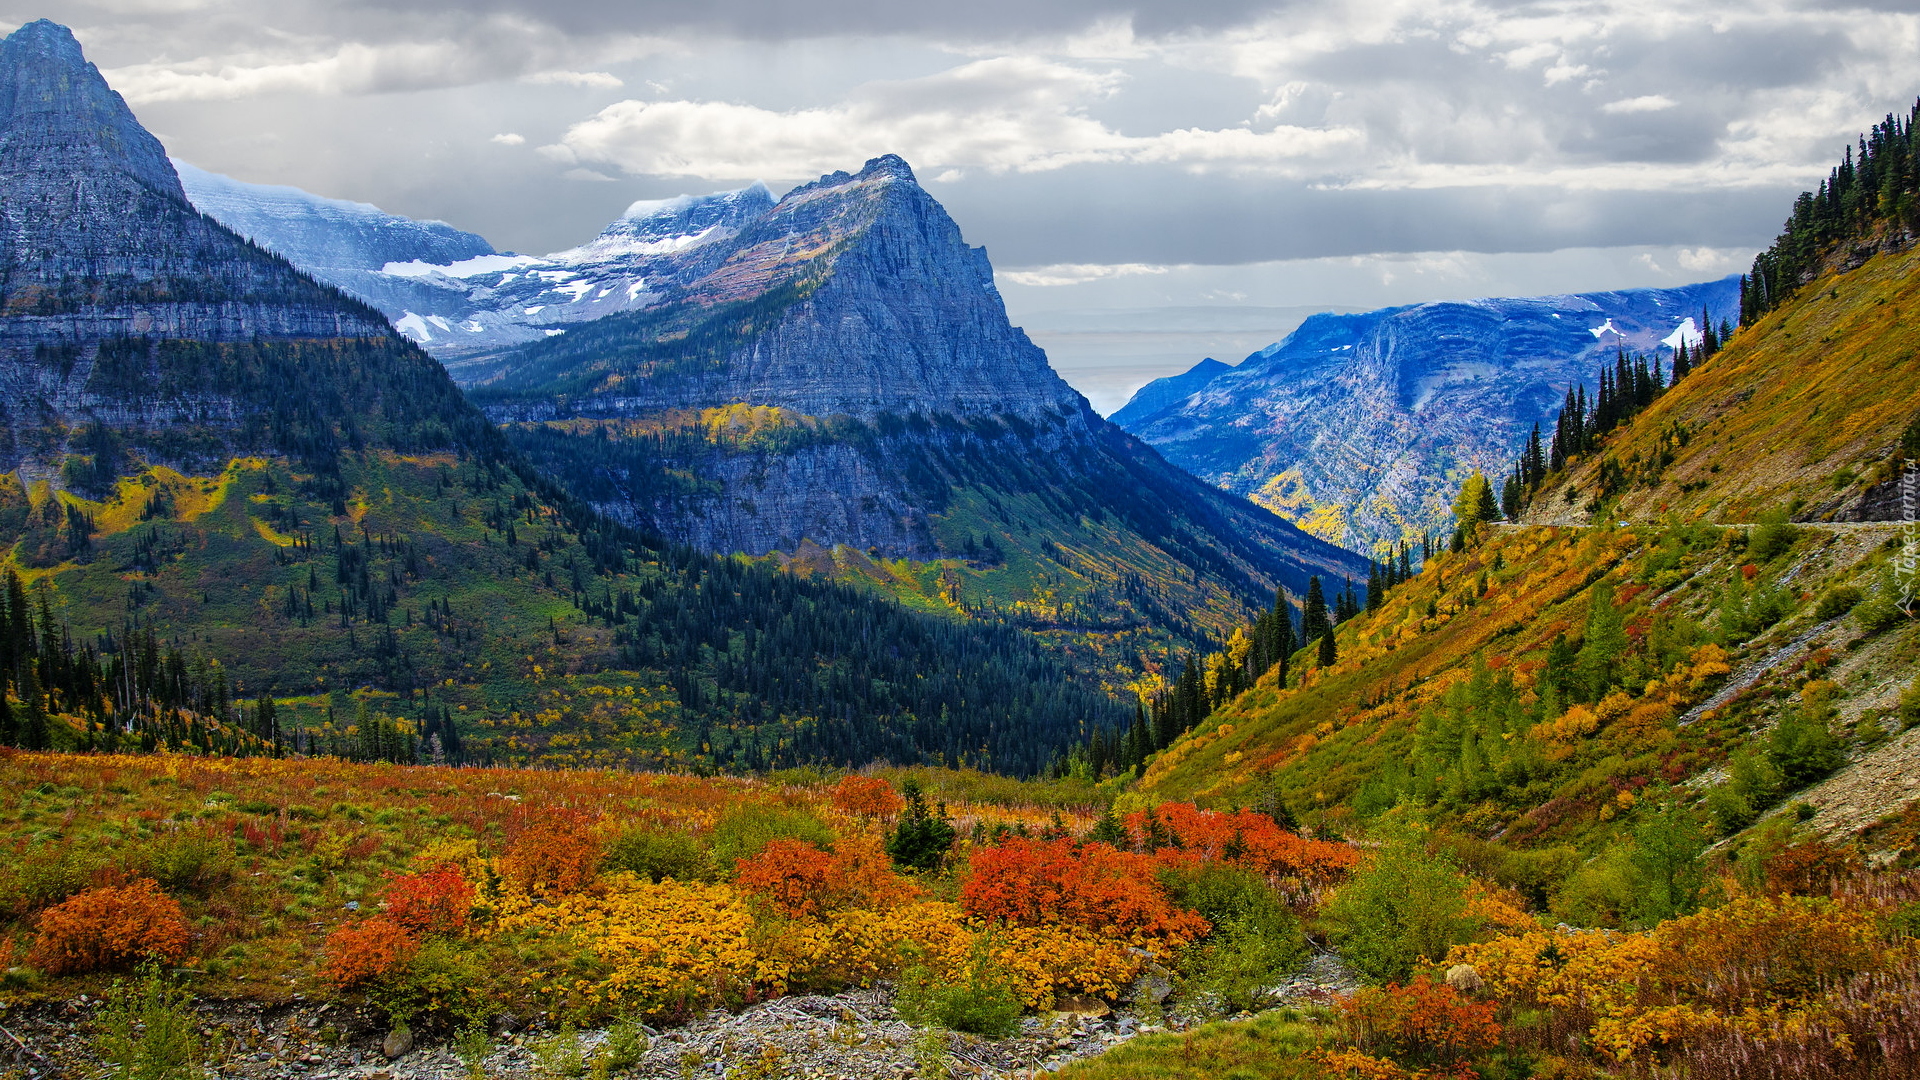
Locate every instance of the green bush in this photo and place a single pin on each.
(1255, 942)
(1772, 538)
(147, 1030)
(1665, 861)
(1804, 748)
(1753, 784)
(1599, 893)
(443, 979)
(1837, 602)
(189, 860)
(1406, 907)
(659, 854)
(982, 1001)
(1910, 706)
(923, 837)
(746, 831)
(45, 874)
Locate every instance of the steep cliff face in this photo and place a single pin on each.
(854, 296)
(841, 374)
(1360, 428)
(121, 304)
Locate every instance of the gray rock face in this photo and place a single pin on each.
(872, 303)
(842, 371)
(104, 262)
(1361, 428)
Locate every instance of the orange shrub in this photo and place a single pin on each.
(1064, 882)
(1422, 1023)
(367, 950)
(102, 929)
(1188, 835)
(867, 796)
(553, 855)
(803, 882)
(432, 902)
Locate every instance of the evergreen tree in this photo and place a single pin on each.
(1329, 652)
(1315, 624)
(922, 838)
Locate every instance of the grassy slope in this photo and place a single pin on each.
(1803, 405)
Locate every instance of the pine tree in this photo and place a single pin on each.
(1315, 625)
(1329, 652)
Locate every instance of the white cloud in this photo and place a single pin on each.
(1707, 260)
(597, 79)
(1646, 103)
(1079, 273)
(509, 138)
(1007, 113)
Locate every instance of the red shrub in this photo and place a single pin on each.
(367, 950)
(802, 881)
(798, 878)
(1184, 835)
(432, 902)
(101, 929)
(1422, 1023)
(867, 796)
(1037, 882)
(554, 854)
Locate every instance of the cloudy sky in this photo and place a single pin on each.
(1155, 181)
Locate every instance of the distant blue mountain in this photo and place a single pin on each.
(1360, 428)
(1162, 394)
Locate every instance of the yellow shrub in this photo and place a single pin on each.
(659, 947)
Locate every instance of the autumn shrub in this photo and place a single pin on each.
(553, 854)
(660, 949)
(867, 796)
(365, 951)
(1039, 882)
(658, 854)
(1181, 834)
(1420, 1024)
(109, 928)
(801, 881)
(430, 903)
(1772, 970)
(744, 831)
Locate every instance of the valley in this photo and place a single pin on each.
(727, 647)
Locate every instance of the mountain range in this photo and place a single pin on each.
(226, 478)
(831, 379)
(1360, 428)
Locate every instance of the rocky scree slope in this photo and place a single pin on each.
(842, 376)
(1360, 428)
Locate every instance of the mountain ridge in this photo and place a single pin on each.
(1359, 427)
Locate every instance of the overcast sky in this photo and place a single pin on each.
(1212, 167)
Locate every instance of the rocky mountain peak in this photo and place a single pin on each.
(58, 116)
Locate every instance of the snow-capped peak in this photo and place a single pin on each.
(662, 226)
